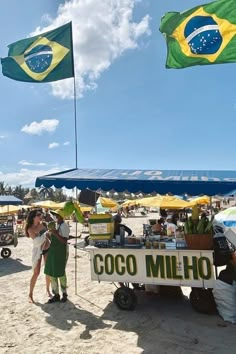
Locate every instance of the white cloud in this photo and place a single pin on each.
(2, 137)
(53, 145)
(102, 32)
(46, 125)
(29, 163)
(26, 177)
(66, 143)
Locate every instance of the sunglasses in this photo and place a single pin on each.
(38, 214)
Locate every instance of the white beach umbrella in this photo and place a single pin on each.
(226, 217)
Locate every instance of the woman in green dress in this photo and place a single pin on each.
(57, 257)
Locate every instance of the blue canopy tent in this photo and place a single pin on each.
(163, 181)
(9, 200)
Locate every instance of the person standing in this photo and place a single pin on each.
(55, 266)
(37, 231)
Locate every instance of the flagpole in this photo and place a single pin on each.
(76, 155)
(75, 108)
(75, 126)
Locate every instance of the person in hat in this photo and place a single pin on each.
(57, 257)
(171, 228)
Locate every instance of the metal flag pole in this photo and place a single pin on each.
(76, 153)
(75, 108)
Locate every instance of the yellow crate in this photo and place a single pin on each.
(101, 226)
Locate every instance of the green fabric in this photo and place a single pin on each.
(56, 259)
(190, 41)
(100, 221)
(55, 284)
(54, 63)
(79, 214)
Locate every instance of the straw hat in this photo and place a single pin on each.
(58, 212)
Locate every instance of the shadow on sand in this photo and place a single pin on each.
(11, 266)
(66, 315)
(168, 324)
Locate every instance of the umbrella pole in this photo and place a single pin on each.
(211, 207)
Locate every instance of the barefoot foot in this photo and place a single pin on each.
(49, 294)
(30, 299)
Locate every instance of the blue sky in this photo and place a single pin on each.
(131, 111)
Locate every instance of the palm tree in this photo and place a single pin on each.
(59, 196)
(19, 192)
(34, 194)
(2, 188)
(46, 193)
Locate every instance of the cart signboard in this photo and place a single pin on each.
(6, 231)
(160, 267)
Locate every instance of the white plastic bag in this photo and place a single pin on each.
(225, 298)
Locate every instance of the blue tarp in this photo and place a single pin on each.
(9, 200)
(162, 181)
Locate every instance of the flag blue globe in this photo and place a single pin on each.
(39, 58)
(203, 35)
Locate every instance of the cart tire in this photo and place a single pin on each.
(202, 300)
(5, 252)
(125, 298)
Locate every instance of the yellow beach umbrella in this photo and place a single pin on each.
(108, 203)
(150, 201)
(48, 204)
(164, 202)
(174, 203)
(9, 209)
(199, 201)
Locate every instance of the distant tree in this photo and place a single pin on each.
(20, 192)
(34, 193)
(46, 193)
(2, 188)
(59, 196)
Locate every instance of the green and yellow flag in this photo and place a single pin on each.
(203, 35)
(44, 58)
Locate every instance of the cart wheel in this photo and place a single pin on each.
(202, 300)
(125, 298)
(5, 252)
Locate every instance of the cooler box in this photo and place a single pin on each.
(101, 226)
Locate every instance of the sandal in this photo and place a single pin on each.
(64, 297)
(55, 298)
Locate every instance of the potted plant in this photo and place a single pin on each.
(198, 231)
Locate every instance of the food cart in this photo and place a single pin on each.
(8, 237)
(135, 267)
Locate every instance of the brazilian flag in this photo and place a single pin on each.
(44, 58)
(203, 35)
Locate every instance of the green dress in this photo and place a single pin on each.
(56, 259)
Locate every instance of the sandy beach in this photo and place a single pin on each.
(91, 323)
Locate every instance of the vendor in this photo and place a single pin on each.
(171, 228)
(117, 225)
(157, 228)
